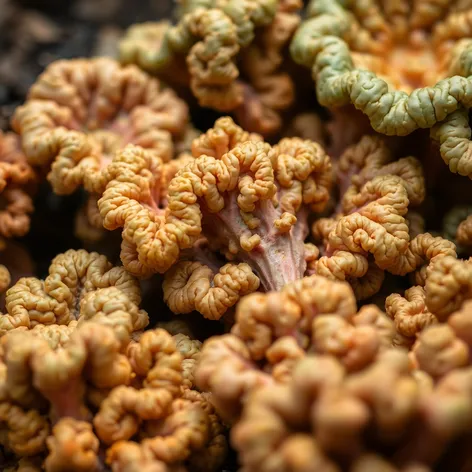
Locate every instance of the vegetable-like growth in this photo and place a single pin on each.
(80, 112)
(137, 198)
(101, 388)
(406, 65)
(371, 231)
(80, 286)
(230, 54)
(326, 418)
(249, 203)
(273, 330)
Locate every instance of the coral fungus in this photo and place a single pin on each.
(79, 112)
(314, 229)
(80, 285)
(275, 329)
(330, 419)
(52, 388)
(251, 205)
(371, 230)
(231, 56)
(406, 65)
(238, 196)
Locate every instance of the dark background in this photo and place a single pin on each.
(34, 33)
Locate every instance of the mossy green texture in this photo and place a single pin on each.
(319, 44)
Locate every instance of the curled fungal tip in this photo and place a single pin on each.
(410, 312)
(80, 286)
(80, 112)
(240, 199)
(357, 57)
(231, 57)
(192, 286)
(272, 331)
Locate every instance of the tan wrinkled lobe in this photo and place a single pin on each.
(55, 335)
(23, 431)
(190, 351)
(140, 387)
(92, 354)
(211, 39)
(232, 57)
(373, 228)
(38, 375)
(191, 432)
(137, 194)
(275, 329)
(210, 457)
(256, 192)
(72, 446)
(155, 359)
(324, 413)
(81, 111)
(80, 285)
(371, 157)
(448, 285)
(268, 89)
(230, 383)
(410, 312)
(376, 225)
(221, 138)
(444, 347)
(188, 428)
(192, 286)
(313, 399)
(249, 15)
(16, 180)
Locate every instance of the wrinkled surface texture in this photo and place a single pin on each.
(406, 65)
(80, 112)
(228, 238)
(230, 54)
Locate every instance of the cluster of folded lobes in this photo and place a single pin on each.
(345, 333)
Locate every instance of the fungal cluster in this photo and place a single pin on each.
(285, 290)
